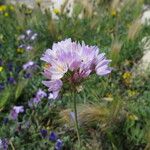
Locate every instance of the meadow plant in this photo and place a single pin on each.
(38, 97)
(71, 63)
(15, 112)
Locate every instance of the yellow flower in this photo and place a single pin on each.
(113, 13)
(1, 68)
(20, 50)
(56, 11)
(132, 93)
(2, 8)
(6, 14)
(132, 117)
(127, 77)
(11, 7)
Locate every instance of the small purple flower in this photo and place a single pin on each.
(11, 80)
(43, 133)
(40, 94)
(27, 75)
(28, 48)
(36, 100)
(33, 37)
(15, 112)
(3, 144)
(53, 137)
(10, 66)
(29, 32)
(33, 102)
(30, 35)
(58, 145)
(28, 65)
(38, 97)
(2, 86)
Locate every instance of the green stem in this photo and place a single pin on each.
(12, 146)
(76, 119)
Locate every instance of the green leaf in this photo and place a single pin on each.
(21, 85)
(4, 96)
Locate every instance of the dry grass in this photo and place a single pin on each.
(134, 29)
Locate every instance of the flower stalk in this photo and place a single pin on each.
(76, 118)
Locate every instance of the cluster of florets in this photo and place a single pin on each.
(77, 60)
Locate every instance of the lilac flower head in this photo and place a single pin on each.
(15, 112)
(77, 60)
(53, 137)
(58, 145)
(28, 65)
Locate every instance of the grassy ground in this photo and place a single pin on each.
(113, 111)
